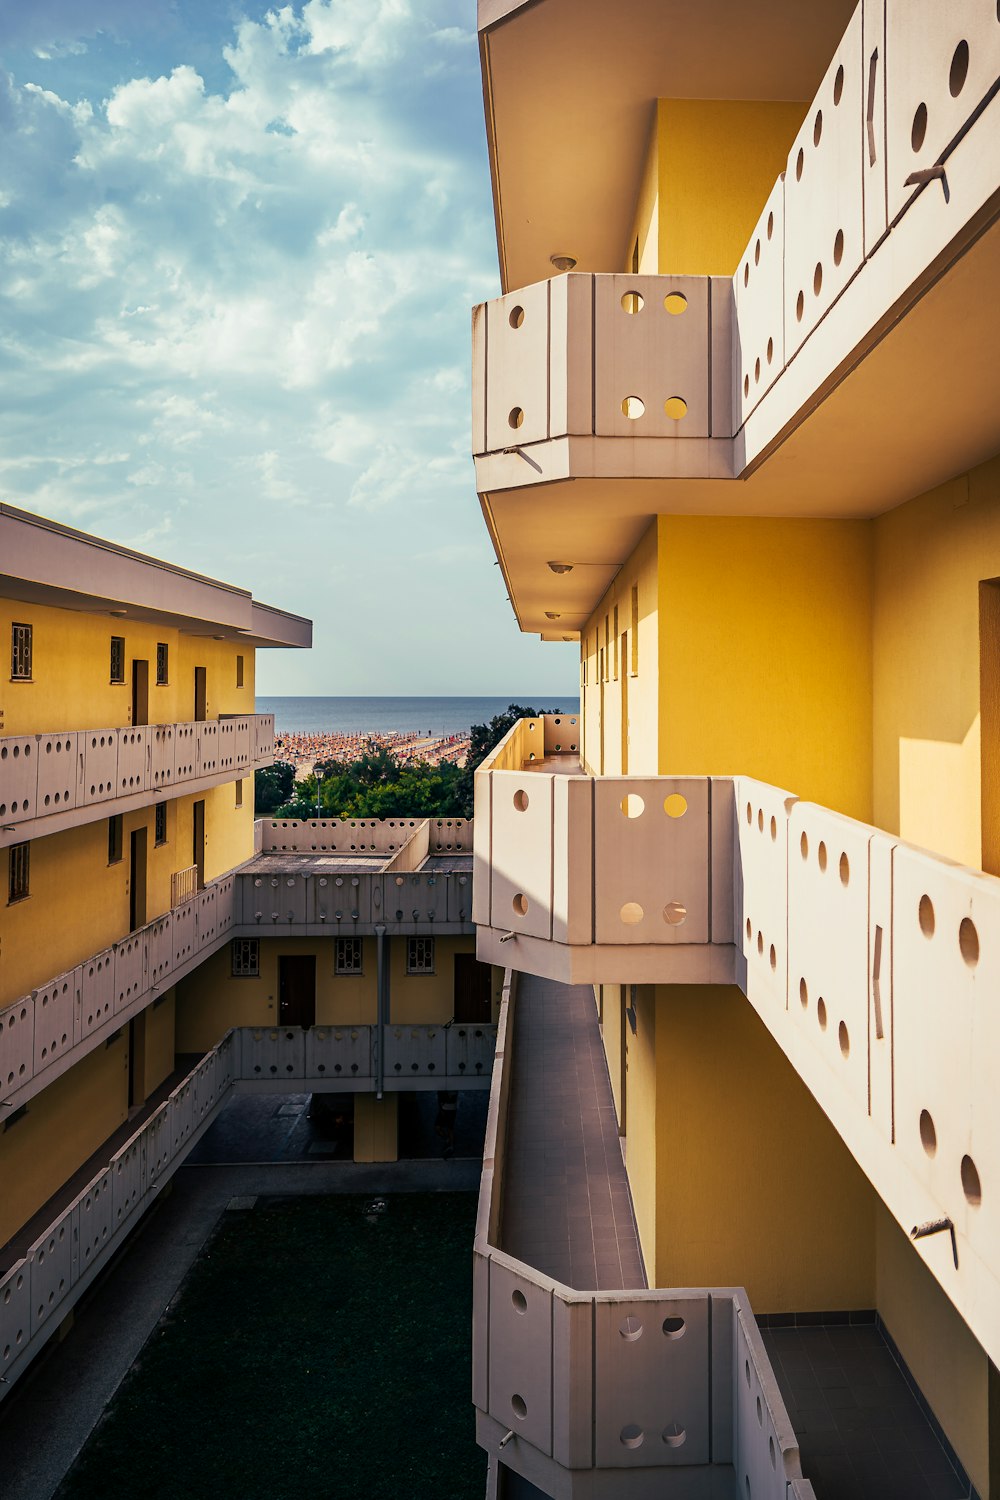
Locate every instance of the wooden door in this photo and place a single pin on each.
(473, 990)
(200, 693)
(140, 692)
(297, 989)
(137, 879)
(198, 842)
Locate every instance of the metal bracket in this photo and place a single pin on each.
(936, 1226)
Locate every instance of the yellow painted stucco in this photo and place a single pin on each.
(70, 686)
(642, 1145)
(747, 1163)
(620, 688)
(62, 1127)
(765, 654)
(154, 1046)
(643, 248)
(718, 161)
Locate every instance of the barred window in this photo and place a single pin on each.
(160, 823)
(246, 958)
(162, 662)
(17, 872)
(420, 955)
(347, 959)
(20, 652)
(117, 658)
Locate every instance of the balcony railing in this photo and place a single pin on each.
(453, 1055)
(900, 137)
(873, 963)
(566, 1379)
(54, 781)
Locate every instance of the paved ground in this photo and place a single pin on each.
(567, 1208)
(50, 1415)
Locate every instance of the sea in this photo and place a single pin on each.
(436, 716)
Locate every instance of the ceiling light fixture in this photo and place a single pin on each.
(558, 567)
(117, 613)
(563, 262)
(551, 614)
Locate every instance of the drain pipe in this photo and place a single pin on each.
(382, 992)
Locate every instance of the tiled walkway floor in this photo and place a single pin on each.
(860, 1430)
(567, 1209)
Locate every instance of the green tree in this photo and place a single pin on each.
(272, 785)
(483, 740)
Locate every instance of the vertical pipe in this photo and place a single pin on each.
(382, 992)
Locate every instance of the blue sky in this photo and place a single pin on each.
(238, 249)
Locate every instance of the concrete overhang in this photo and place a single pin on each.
(569, 89)
(44, 562)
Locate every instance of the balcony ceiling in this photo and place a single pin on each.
(569, 89)
(919, 407)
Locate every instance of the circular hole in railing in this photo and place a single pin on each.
(800, 162)
(845, 869)
(770, 225)
(760, 1412)
(800, 306)
(838, 90)
(520, 904)
(971, 1186)
(520, 1302)
(959, 70)
(804, 847)
(632, 302)
(519, 1407)
(675, 806)
(749, 929)
(818, 279)
(756, 371)
(633, 407)
(749, 814)
(774, 830)
(968, 941)
(515, 417)
(630, 1330)
(516, 317)
(821, 1013)
(918, 130)
(675, 408)
(674, 913)
(631, 1436)
(844, 1039)
(925, 915)
(818, 127)
(838, 247)
(770, 350)
(674, 1328)
(770, 1442)
(760, 820)
(521, 801)
(803, 993)
(674, 1435)
(632, 805)
(773, 959)
(928, 1134)
(821, 855)
(746, 385)
(631, 913)
(756, 254)
(760, 943)
(746, 1372)
(675, 303)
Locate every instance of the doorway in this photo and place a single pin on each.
(624, 683)
(473, 990)
(137, 879)
(198, 842)
(297, 989)
(140, 692)
(200, 694)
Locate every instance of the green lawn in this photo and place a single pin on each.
(313, 1352)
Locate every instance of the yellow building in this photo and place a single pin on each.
(159, 950)
(735, 431)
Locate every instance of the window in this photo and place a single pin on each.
(17, 872)
(347, 956)
(635, 630)
(117, 658)
(20, 653)
(162, 663)
(616, 644)
(115, 829)
(160, 823)
(246, 958)
(239, 793)
(239, 671)
(420, 955)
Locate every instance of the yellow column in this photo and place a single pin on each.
(376, 1127)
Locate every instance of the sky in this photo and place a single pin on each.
(239, 246)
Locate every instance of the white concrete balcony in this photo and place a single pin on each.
(44, 1033)
(49, 782)
(843, 938)
(868, 277)
(345, 1059)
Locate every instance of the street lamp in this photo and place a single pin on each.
(319, 779)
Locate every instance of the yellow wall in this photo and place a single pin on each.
(64, 1125)
(70, 877)
(71, 669)
(376, 1127)
(642, 1136)
(154, 1046)
(765, 646)
(946, 1361)
(640, 688)
(611, 1032)
(416, 998)
(930, 556)
(718, 161)
(754, 1186)
(644, 237)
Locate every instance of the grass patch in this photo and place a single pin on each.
(314, 1351)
